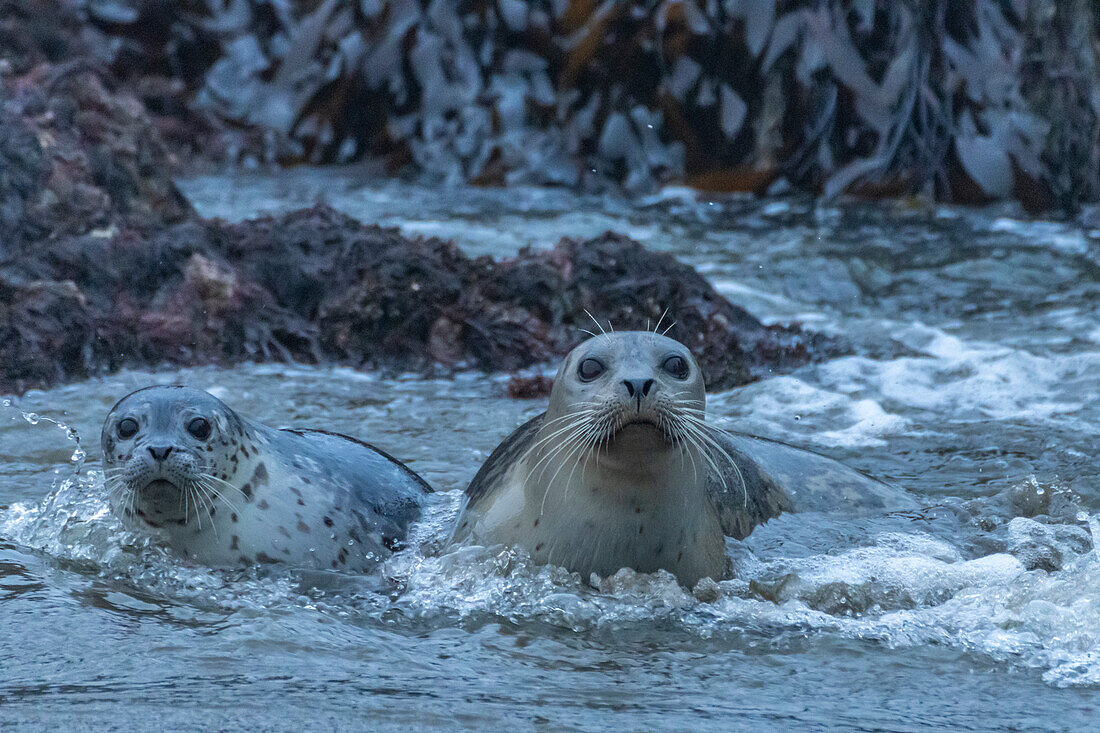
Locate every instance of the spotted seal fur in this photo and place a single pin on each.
(623, 471)
(226, 490)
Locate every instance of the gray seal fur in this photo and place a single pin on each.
(622, 471)
(226, 490)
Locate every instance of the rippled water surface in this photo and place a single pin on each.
(975, 385)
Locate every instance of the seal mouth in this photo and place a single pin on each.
(158, 488)
(643, 428)
(154, 500)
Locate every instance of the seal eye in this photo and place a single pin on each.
(127, 428)
(199, 427)
(589, 369)
(677, 366)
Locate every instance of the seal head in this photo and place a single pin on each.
(628, 397)
(164, 453)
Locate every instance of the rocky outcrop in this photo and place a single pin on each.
(315, 286)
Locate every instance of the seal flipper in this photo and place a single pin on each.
(782, 478)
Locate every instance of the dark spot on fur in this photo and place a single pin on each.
(640, 528)
(660, 549)
(303, 527)
(233, 516)
(306, 480)
(295, 491)
(260, 476)
(637, 510)
(680, 556)
(224, 477)
(333, 564)
(284, 531)
(265, 558)
(536, 522)
(355, 536)
(286, 551)
(538, 547)
(390, 543)
(245, 452)
(301, 503)
(212, 510)
(235, 544)
(263, 504)
(247, 491)
(328, 521)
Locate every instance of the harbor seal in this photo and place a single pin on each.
(622, 471)
(226, 490)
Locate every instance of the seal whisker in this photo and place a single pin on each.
(558, 449)
(659, 321)
(701, 428)
(574, 430)
(568, 458)
(550, 436)
(202, 504)
(206, 479)
(598, 324)
(214, 480)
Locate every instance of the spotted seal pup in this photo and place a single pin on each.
(227, 490)
(622, 471)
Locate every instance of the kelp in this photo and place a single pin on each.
(961, 100)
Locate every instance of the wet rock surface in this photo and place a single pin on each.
(316, 286)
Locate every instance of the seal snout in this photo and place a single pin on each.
(637, 389)
(160, 453)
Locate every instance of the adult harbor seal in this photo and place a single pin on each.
(622, 471)
(226, 490)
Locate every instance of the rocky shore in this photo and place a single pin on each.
(105, 265)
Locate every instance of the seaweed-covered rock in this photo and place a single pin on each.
(76, 157)
(316, 286)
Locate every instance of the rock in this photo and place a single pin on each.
(316, 286)
(77, 157)
(529, 388)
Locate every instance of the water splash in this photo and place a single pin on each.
(79, 455)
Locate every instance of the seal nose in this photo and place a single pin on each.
(160, 453)
(638, 388)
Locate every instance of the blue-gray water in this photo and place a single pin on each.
(980, 338)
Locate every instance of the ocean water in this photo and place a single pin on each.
(974, 385)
